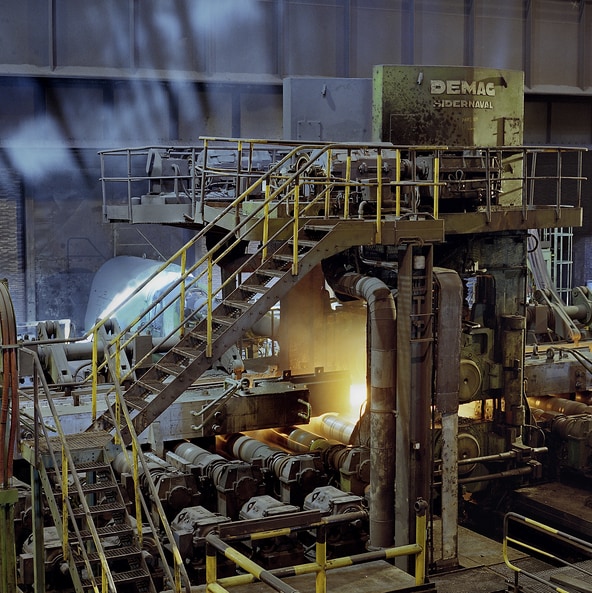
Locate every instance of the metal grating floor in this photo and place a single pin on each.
(76, 442)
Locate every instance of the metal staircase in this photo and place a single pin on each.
(272, 279)
(299, 212)
(102, 544)
(287, 210)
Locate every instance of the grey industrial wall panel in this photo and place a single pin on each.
(499, 34)
(12, 240)
(380, 32)
(25, 33)
(314, 37)
(265, 40)
(95, 33)
(439, 32)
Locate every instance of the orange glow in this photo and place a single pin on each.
(357, 398)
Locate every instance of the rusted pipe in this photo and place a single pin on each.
(382, 365)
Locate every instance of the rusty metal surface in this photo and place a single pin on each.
(558, 505)
(457, 106)
(509, 219)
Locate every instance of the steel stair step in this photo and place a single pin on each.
(308, 243)
(324, 228)
(80, 442)
(134, 402)
(92, 466)
(189, 353)
(271, 272)
(112, 554)
(94, 487)
(204, 337)
(108, 507)
(254, 288)
(151, 386)
(240, 305)
(82, 468)
(108, 531)
(225, 320)
(129, 576)
(171, 368)
(123, 577)
(286, 257)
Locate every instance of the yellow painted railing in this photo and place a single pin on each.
(307, 521)
(135, 458)
(61, 468)
(282, 194)
(179, 579)
(299, 185)
(557, 536)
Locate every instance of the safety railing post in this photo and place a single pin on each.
(211, 565)
(523, 182)
(328, 185)
(295, 229)
(129, 184)
(118, 358)
(532, 178)
(265, 237)
(94, 372)
(437, 184)
(379, 196)
(397, 181)
(321, 559)
(579, 182)
(421, 508)
(193, 188)
(64, 502)
(203, 179)
(348, 164)
(238, 190)
(559, 183)
(182, 293)
(116, 439)
(210, 307)
(136, 474)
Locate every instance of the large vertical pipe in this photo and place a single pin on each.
(414, 387)
(513, 340)
(404, 403)
(447, 385)
(382, 356)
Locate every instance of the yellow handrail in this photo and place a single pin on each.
(216, 544)
(137, 459)
(295, 218)
(280, 185)
(560, 536)
(379, 197)
(348, 164)
(62, 468)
